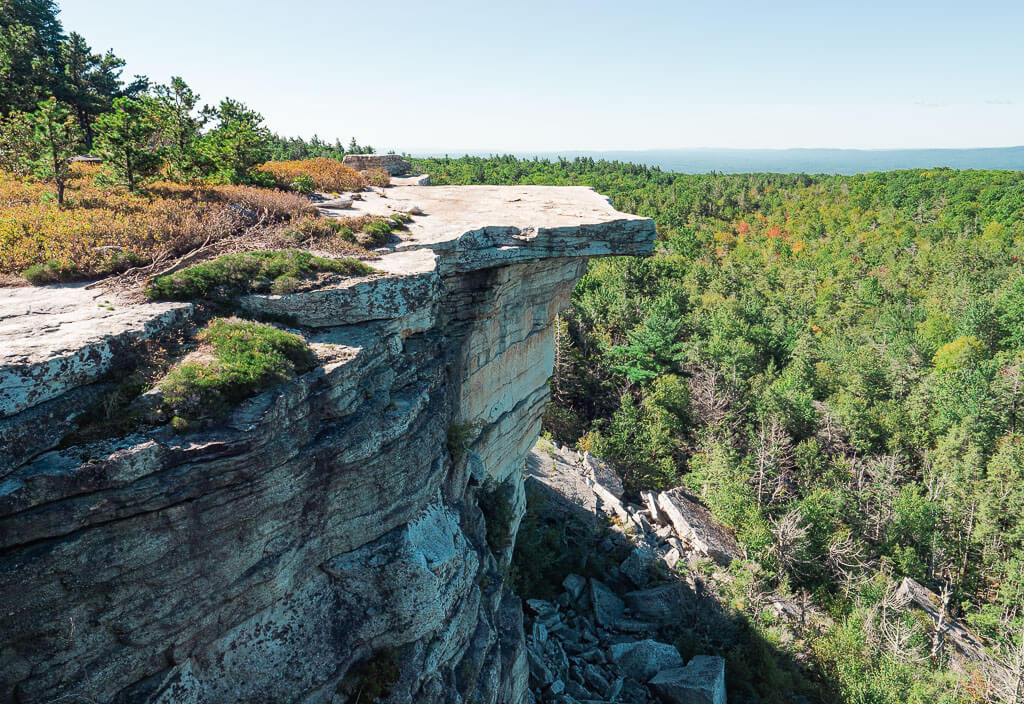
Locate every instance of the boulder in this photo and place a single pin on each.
(671, 558)
(602, 473)
(392, 163)
(642, 660)
(608, 607)
(664, 605)
(637, 565)
(702, 681)
(694, 524)
(574, 585)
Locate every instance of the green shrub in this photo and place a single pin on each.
(245, 358)
(232, 275)
(303, 184)
(262, 179)
(49, 273)
(376, 233)
(458, 436)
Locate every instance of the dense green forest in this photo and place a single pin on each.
(835, 365)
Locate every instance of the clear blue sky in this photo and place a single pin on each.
(550, 75)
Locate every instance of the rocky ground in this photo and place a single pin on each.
(614, 639)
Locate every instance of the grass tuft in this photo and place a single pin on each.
(233, 275)
(244, 358)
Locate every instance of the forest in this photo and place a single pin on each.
(834, 365)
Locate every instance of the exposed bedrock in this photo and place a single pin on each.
(343, 535)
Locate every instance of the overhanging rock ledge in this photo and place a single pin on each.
(329, 532)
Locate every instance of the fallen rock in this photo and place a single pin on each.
(664, 605)
(608, 607)
(609, 503)
(637, 565)
(574, 584)
(702, 681)
(602, 473)
(694, 524)
(642, 660)
(539, 672)
(651, 502)
(671, 558)
(595, 678)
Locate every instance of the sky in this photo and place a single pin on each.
(443, 76)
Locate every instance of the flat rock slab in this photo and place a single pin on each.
(56, 338)
(695, 524)
(478, 227)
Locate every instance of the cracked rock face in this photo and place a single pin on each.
(324, 537)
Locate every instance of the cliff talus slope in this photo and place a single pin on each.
(343, 534)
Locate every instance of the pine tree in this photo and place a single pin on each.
(46, 140)
(126, 140)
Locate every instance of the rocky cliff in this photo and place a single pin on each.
(342, 536)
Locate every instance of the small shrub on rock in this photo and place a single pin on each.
(303, 184)
(244, 358)
(233, 275)
(49, 272)
(375, 233)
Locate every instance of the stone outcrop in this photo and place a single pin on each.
(702, 681)
(604, 640)
(392, 163)
(693, 524)
(346, 532)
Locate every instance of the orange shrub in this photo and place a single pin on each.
(263, 203)
(327, 174)
(377, 177)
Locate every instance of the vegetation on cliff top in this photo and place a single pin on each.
(173, 177)
(233, 275)
(236, 359)
(835, 364)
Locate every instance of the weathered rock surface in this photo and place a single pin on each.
(323, 534)
(57, 338)
(702, 681)
(392, 163)
(643, 659)
(694, 524)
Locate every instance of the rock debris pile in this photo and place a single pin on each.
(613, 639)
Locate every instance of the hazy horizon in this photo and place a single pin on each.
(834, 161)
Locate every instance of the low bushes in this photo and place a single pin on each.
(99, 231)
(237, 359)
(377, 177)
(232, 275)
(321, 173)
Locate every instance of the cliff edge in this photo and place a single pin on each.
(342, 536)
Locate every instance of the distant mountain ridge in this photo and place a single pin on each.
(830, 161)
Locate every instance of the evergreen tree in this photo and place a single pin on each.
(90, 82)
(30, 40)
(126, 140)
(238, 142)
(46, 141)
(179, 127)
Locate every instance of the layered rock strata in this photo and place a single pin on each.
(343, 536)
